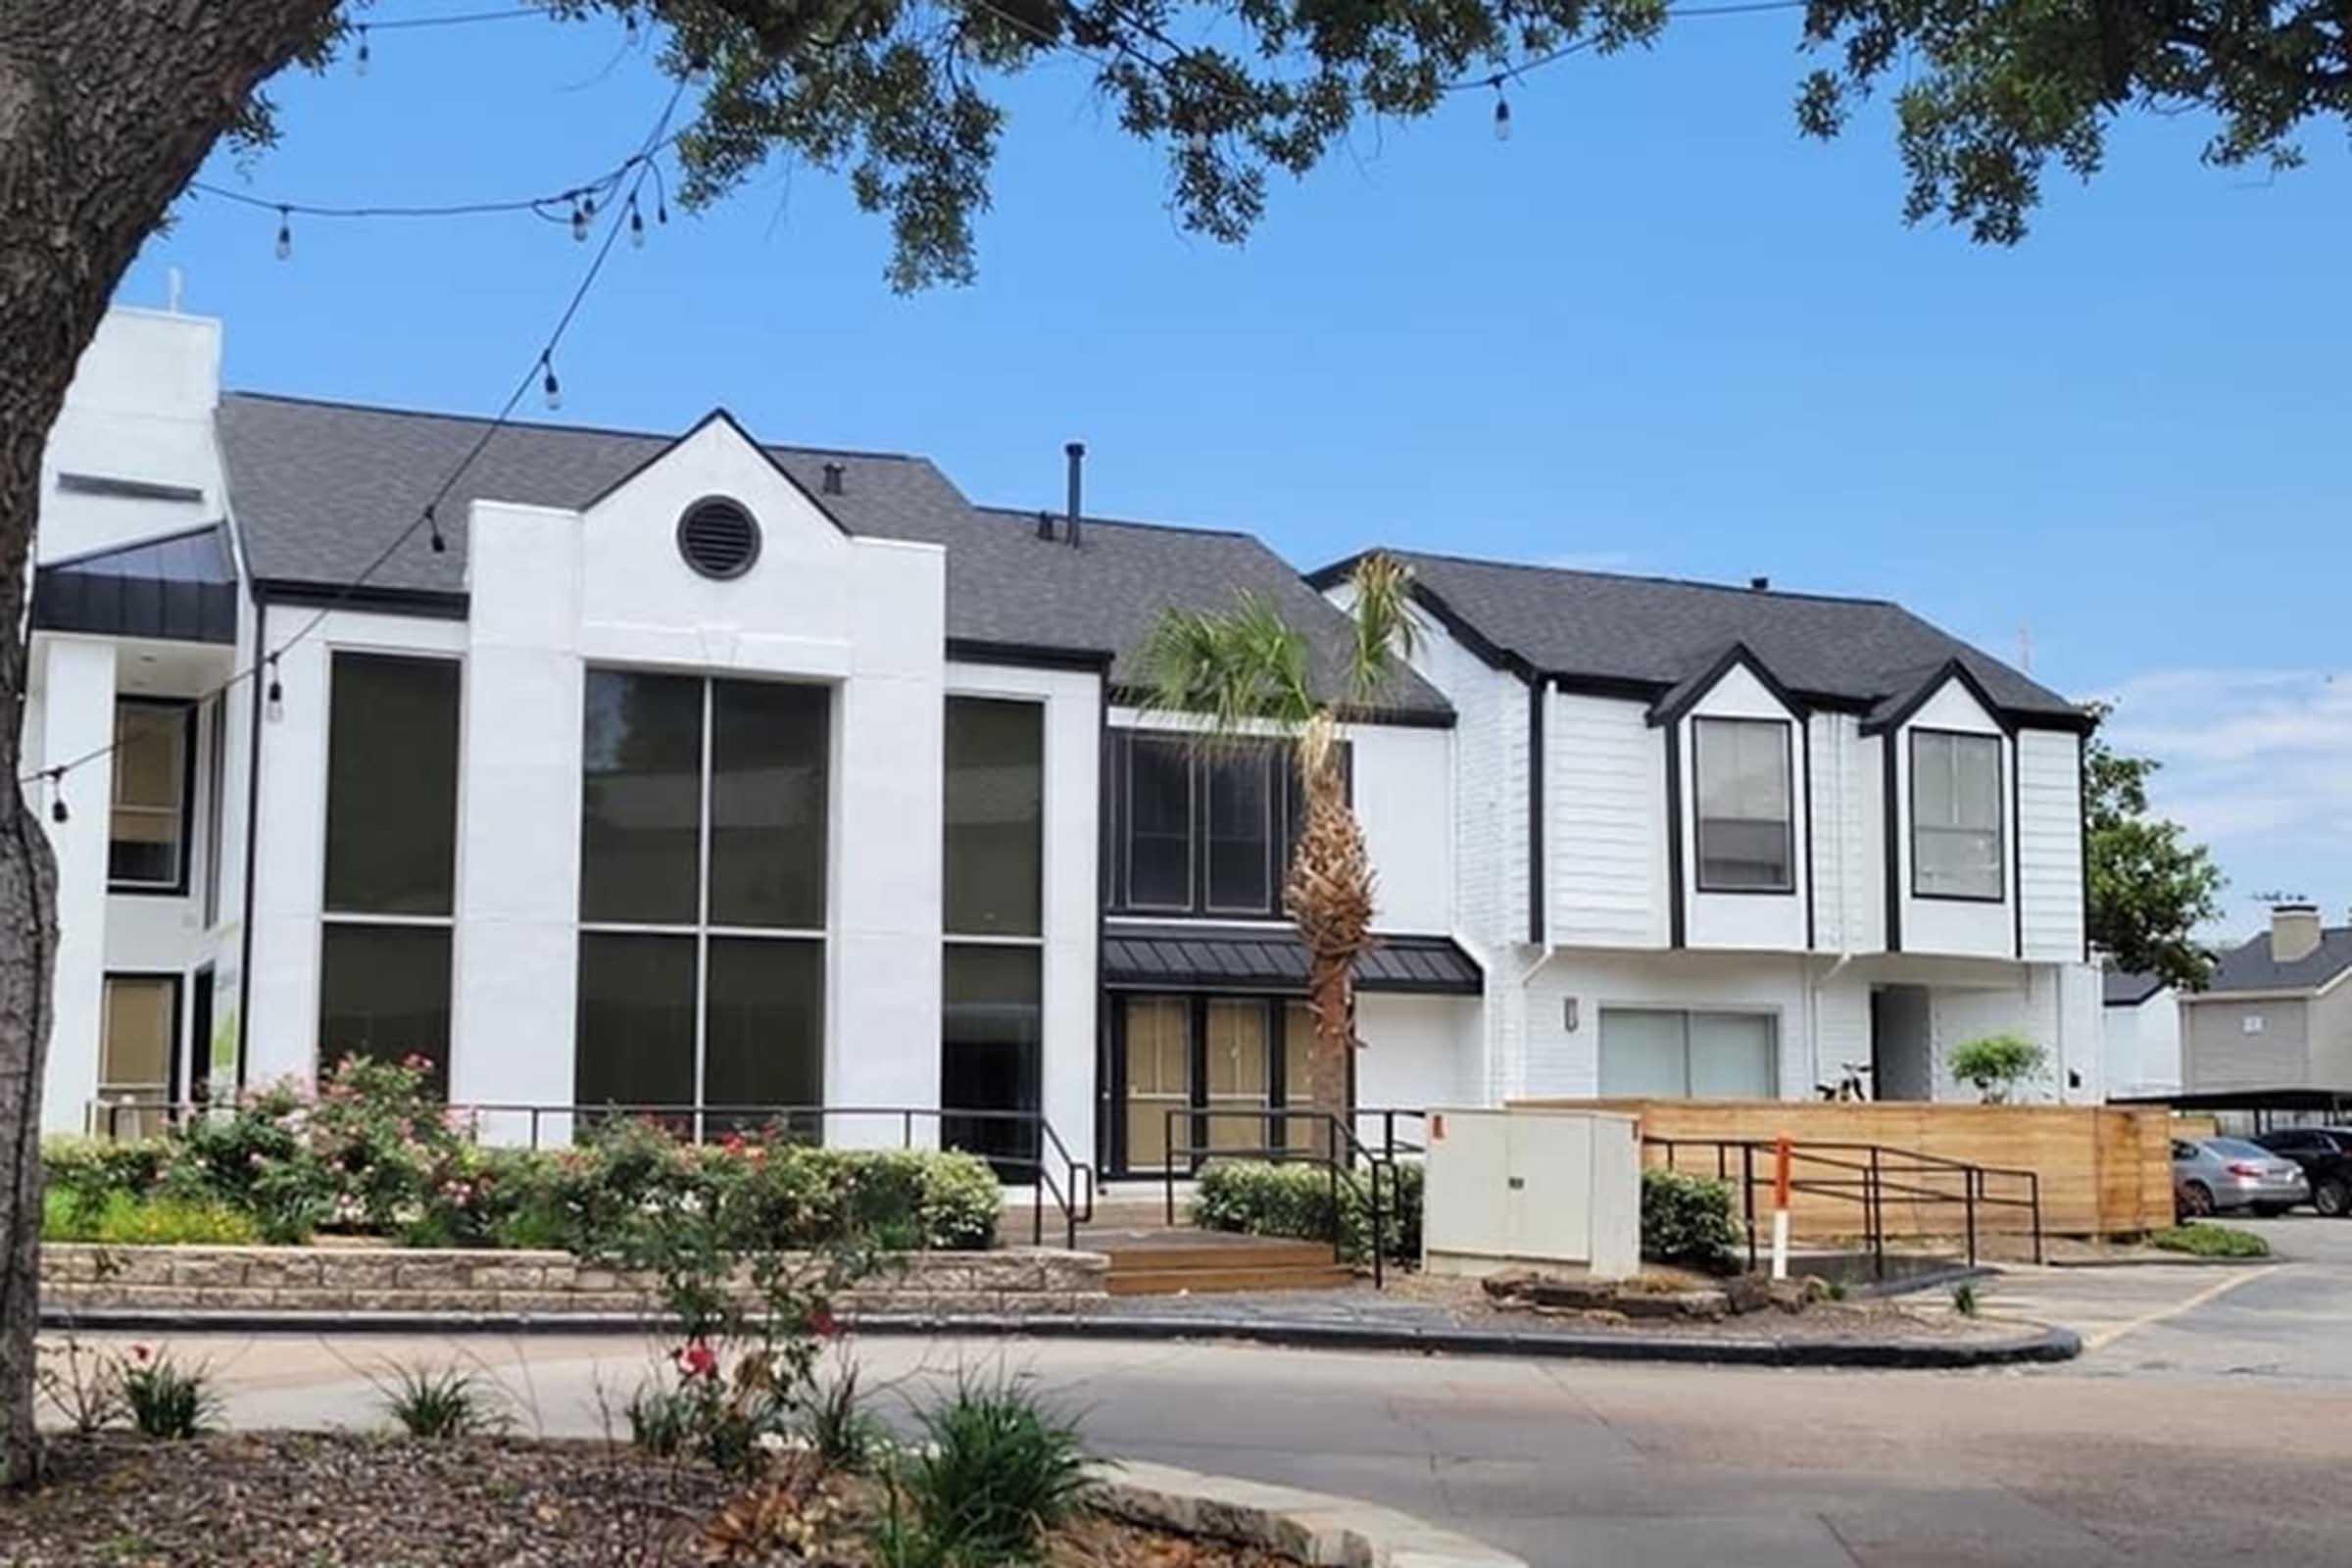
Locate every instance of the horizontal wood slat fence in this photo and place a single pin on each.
(2105, 1171)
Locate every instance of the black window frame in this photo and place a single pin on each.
(1698, 859)
(177, 888)
(2001, 828)
(1286, 820)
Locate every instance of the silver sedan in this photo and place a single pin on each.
(2214, 1175)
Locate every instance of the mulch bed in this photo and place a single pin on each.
(1892, 1320)
(298, 1500)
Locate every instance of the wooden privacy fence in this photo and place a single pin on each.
(2104, 1171)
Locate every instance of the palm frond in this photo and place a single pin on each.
(1386, 634)
(1233, 673)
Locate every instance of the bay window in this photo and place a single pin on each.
(391, 860)
(703, 848)
(1955, 815)
(1746, 833)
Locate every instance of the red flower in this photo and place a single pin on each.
(142, 1352)
(823, 1324)
(697, 1360)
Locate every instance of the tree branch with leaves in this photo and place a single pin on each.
(2150, 887)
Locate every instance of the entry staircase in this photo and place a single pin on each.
(1150, 1257)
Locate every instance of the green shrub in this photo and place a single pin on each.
(996, 1473)
(1996, 1064)
(441, 1405)
(166, 1399)
(2211, 1241)
(1258, 1198)
(1687, 1220)
(120, 1219)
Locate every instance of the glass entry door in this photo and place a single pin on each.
(1239, 1064)
(1158, 1077)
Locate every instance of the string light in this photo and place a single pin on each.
(636, 225)
(273, 704)
(285, 232)
(360, 66)
(1503, 113)
(551, 387)
(432, 521)
(579, 222)
(57, 796)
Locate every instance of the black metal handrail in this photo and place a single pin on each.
(1876, 1175)
(1073, 1195)
(1337, 1153)
(1390, 1145)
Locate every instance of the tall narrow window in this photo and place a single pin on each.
(137, 1035)
(1160, 825)
(1957, 815)
(216, 807)
(1240, 831)
(147, 836)
(992, 1007)
(391, 860)
(703, 850)
(1747, 840)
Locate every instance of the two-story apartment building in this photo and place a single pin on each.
(1734, 842)
(692, 770)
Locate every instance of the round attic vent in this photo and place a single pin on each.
(719, 538)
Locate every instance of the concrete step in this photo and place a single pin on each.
(1199, 1281)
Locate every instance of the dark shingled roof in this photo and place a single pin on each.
(2125, 988)
(320, 489)
(2248, 965)
(1655, 632)
(1265, 958)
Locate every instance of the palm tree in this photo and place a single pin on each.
(1243, 673)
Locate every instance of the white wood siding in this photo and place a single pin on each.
(1604, 774)
(2049, 843)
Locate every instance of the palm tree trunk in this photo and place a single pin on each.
(1329, 894)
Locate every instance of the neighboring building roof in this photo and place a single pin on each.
(320, 489)
(1650, 634)
(1267, 959)
(180, 587)
(2248, 966)
(2122, 989)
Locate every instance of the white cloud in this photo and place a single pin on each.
(2258, 764)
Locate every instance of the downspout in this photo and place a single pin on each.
(1845, 923)
(253, 836)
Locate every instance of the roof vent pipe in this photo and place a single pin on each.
(831, 483)
(1044, 524)
(1076, 453)
(2294, 931)
(1759, 584)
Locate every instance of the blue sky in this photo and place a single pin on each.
(1655, 331)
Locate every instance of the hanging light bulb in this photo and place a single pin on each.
(285, 232)
(588, 206)
(360, 68)
(432, 523)
(552, 388)
(660, 207)
(579, 220)
(57, 796)
(629, 28)
(1503, 113)
(273, 701)
(636, 225)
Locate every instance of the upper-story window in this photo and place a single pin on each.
(1201, 831)
(1955, 815)
(147, 836)
(1746, 829)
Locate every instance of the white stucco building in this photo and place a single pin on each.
(694, 771)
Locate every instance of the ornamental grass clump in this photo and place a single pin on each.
(437, 1405)
(996, 1473)
(166, 1400)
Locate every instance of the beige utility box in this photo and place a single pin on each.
(1558, 1190)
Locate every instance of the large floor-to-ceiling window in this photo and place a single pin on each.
(992, 981)
(703, 892)
(391, 860)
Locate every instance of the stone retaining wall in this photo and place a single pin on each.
(339, 1279)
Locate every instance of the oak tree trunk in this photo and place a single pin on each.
(106, 108)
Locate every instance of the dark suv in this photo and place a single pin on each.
(2326, 1155)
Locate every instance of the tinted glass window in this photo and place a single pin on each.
(1240, 832)
(636, 1030)
(989, 1057)
(765, 1043)
(767, 804)
(2236, 1149)
(147, 836)
(383, 992)
(392, 785)
(1160, 825)
(1746, 842)
(995, 815)
(641, 797)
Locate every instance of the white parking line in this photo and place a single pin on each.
(2219, 1288)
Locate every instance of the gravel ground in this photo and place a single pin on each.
(291, 1501)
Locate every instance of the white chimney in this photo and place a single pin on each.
(2294, 931)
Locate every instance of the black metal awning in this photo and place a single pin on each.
(181, 587)
(1265, 958)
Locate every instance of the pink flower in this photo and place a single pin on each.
(142, 1352)
(695, 1359)
(823, 1324)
